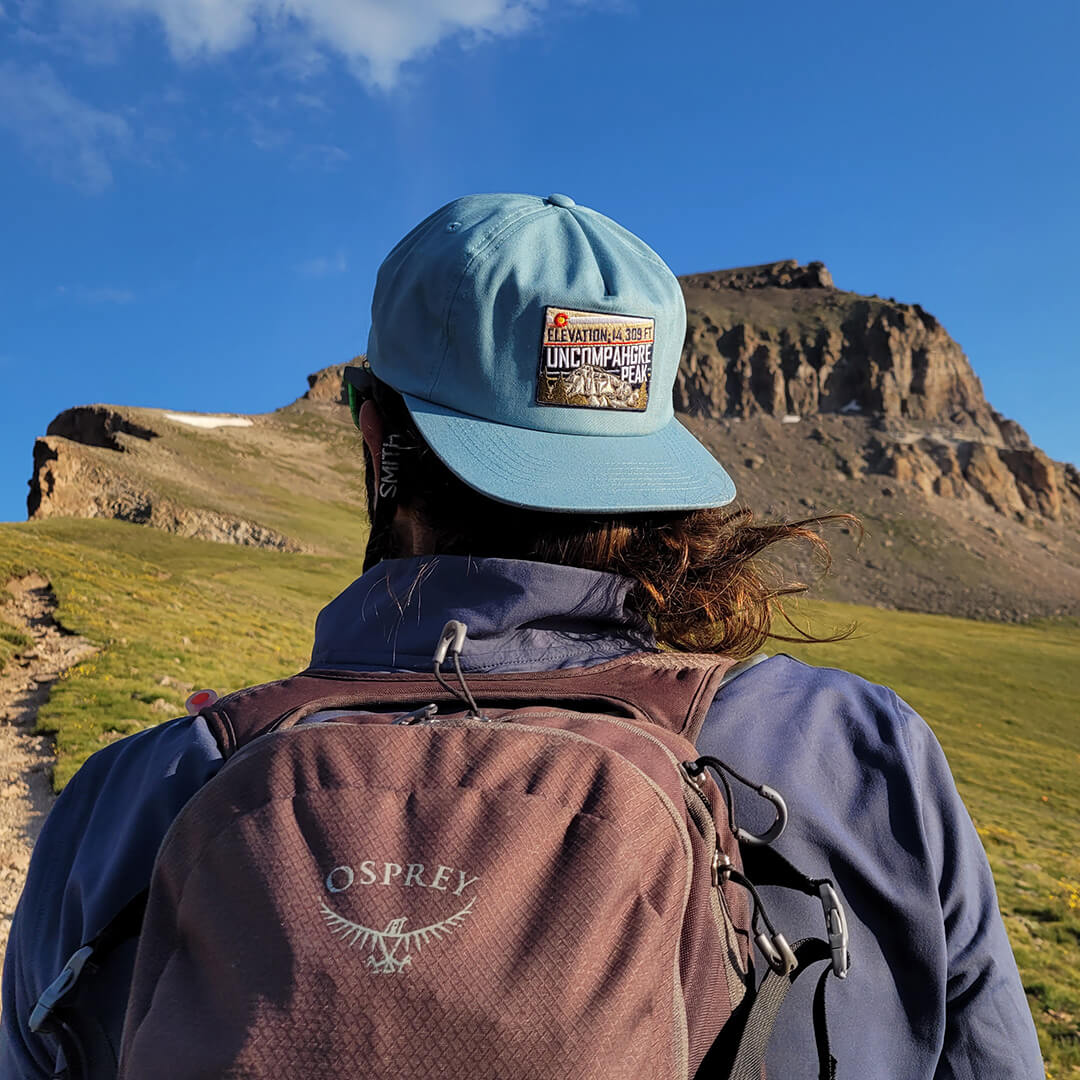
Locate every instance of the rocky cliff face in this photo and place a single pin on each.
(76, 474)
(780, 340)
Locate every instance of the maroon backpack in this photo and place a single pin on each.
(529, 875)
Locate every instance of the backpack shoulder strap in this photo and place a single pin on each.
(673, 690)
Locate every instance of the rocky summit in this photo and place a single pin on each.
(780, 340)
(816, 400)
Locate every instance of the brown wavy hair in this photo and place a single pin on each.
(704, 580)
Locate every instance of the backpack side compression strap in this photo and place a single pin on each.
(748, 1060)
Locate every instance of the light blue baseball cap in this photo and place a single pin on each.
(535, 343)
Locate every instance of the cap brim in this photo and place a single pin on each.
(667, 470)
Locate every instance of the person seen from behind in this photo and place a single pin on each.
(526, 476)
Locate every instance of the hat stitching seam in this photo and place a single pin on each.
(588, 243)
(495, 237)
(648, 253)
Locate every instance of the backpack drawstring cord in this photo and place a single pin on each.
(452, 640)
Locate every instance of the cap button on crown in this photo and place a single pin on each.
(560, 200)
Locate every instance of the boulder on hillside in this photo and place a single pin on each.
(1012, 434)
(1036, 480)
(987, 472)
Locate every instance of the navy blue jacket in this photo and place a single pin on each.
(933, 991)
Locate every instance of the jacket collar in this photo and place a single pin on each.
(520, 616)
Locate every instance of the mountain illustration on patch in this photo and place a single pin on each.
(593, 387)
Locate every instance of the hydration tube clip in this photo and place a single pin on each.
(779, 822)
(693, 770)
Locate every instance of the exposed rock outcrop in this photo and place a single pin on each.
(804, 347)
(779, 340)
(98, 425)
(1012, 434)
(73, 479)
(787, 274)
(328, 385)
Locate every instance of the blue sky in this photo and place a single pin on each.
(197, 193)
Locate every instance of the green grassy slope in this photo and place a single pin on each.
(1004, 702)
(171, 614)
(297, 471)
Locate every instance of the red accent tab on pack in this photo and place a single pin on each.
(199, 700)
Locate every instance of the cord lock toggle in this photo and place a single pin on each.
(452, 640)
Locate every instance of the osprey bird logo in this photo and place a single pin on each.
(394, 939)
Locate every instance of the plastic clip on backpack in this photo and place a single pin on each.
(528, 874)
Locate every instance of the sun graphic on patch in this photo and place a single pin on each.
(561, 319)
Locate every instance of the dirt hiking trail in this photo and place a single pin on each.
(26, 759)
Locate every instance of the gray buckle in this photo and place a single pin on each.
(426, 714)
(59, 988)
(836, 925)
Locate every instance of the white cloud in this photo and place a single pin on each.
(374, 36)
(324, 156)
(72, 139)
(324, 266)
(264, 137)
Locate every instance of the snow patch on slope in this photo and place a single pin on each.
(201, 421)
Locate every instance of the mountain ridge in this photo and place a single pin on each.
(815, 399)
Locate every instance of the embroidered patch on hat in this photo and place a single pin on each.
(594, 360)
